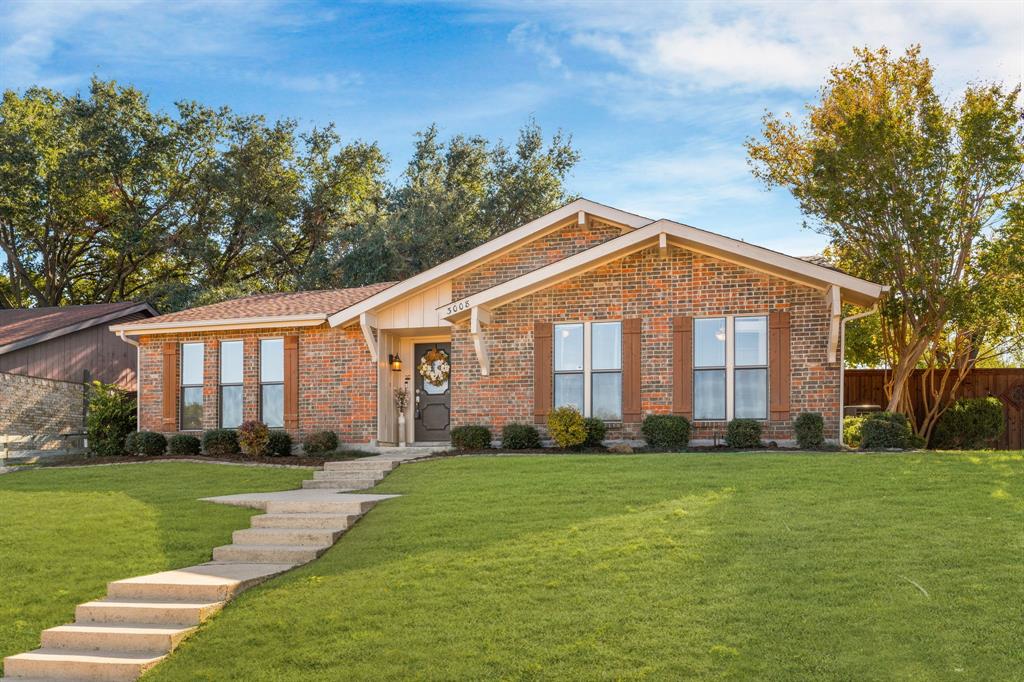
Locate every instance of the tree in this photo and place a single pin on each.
(102, 199)
(921, 196)
(455, 196)
(93, 191)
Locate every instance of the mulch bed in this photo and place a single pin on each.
(293, 460)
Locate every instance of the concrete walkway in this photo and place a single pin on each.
(143, 619)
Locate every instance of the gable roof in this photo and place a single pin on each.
(300, 308)
(22, 327)
(492, 249)
(663, 233)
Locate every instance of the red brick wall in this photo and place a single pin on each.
(653, 289)
(557, 245)
(337, 379)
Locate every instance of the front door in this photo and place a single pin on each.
(433, 392)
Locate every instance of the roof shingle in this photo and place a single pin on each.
(22, 324)
(325, 302)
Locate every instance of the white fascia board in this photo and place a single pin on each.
(79, 326)
(700, 241)
(486, 251)
(224, 323)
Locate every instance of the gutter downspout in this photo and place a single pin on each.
(842, 364)
(138, 377)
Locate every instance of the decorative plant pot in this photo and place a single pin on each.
(401, 430)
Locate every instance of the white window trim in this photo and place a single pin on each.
(221, 384)
(261, 383)
(182, 385)
(730, 365)
(587, 369)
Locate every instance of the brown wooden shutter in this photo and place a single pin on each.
(291, 382)
(631, 403)
(778, 365)
(682, 366)
(170, 386)
(543, 356)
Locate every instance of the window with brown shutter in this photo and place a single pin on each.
(779, 365)
(631, 370)
(682, 366)
(542, 371)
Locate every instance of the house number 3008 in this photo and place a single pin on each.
(458, 307)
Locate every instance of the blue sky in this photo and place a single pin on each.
(658, 96)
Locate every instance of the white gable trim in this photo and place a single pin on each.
(488, 251)
(663, 233)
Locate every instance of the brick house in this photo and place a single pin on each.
(619, 315)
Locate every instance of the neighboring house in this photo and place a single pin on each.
(47, 353)
(619, 315)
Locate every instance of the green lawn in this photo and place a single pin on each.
(755, 566)
(65, 533)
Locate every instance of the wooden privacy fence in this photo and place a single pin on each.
(867, 387)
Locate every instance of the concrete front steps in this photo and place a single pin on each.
(351, 475)
(143, 619)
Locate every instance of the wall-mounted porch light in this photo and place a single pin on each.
(395, 362)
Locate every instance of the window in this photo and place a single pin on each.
(272, 382)
(606, 370)
(709, 400)
(230, 384)
(569, 388)
(191, 386)
(730, 368)
(751, 367)
(588, 368)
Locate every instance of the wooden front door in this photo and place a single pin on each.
(433, 402)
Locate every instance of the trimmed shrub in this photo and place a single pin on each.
(810, 430)
(279, 444)
(969, 424)
(885, 430)
(253, 438)
(183, 445)
(320, 442)
(146, 443)
(596, 431)
(220, 442)
(743, 433)
(520, 437)
(110, 418)
(471, 437)
(666, 431)
(851, 431)
(567, 427)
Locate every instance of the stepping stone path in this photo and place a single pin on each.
(143, 619)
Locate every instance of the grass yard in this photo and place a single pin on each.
(65, 533)
(734, 566)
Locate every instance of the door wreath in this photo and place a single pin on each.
(434, 367)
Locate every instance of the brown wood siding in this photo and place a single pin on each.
(779, 365)
(682, 366)
(867, 387)
(543, 357)
(291, 382)
(169, 382)
(95, 350)
(631, 402)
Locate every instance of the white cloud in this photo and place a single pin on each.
(527, 37)
(756, 46)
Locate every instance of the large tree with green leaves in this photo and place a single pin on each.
(456, 195)
(918, 194)
(103, 199)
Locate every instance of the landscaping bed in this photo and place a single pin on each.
(292, 460)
